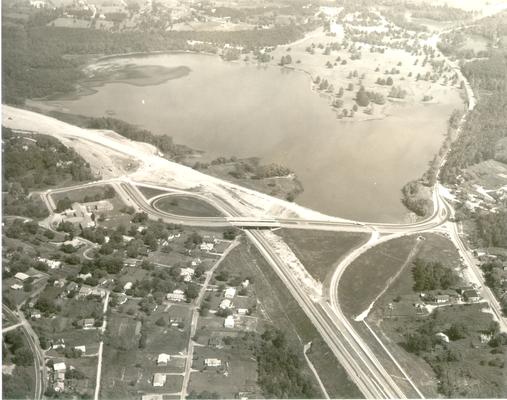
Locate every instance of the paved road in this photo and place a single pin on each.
(38, 353)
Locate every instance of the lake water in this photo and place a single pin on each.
(349, 169)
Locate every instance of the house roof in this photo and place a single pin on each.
(60, 366)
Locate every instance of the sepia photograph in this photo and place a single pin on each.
(254, 199)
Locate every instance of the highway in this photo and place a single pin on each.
(38, 353)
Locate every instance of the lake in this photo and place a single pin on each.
(348, 169)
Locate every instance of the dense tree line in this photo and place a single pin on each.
(492, 228)
(279, 369)
(36, 162)
(432, 275)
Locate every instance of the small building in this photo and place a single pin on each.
(99, 206)
(84, 277)
(59, 283)
(225, 304)
(212, 362)
(163, 359)
(128, 286)
(100, 292)
(87, 323)
(130, 262)
(21, 276)
(195, 262)
(159, 379)
(245, 283)
(59, 367)
(71, 287)
(471, 296)
(16, 286)
(242, 311)
(84, 291)
(177, 295)
(206, 246)
(82, 349)
(152, 396)
(229, 322)
(485, 337)
(52, 264)
(230, 293)
(441, 298)
(58, 344)
(187, 274)
(442, 337)
(59, 386)
(35, 315)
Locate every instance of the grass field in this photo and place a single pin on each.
(368, 275)
(320, 251)
(79, 194)
(148, 192)
(187, 206)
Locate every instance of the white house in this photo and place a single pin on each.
(176, 295)
(242, 311)
(53, 264)
(212, 362)
(230, 293)
(187, 274)
(159, 379)
(57, 367)
(225, 304)
(245, 283)
(84, 277)
(163, 359)
(21, 276)
(82, 349)
(16, 286)
(206, 246)
(229, 322)
(128, 286)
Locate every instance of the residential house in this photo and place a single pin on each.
(87, 323)
(195, 262)
(229, 322)
(242, 311)
(71, 287)
(52, 264)
(21, 276)
(177, 295)
(59, 367)
(245, 283)
(163, 359)
(58, 344)
(206, 246)
(16, 286)
(159, 379)
(230, 293)
(84, 277)
(128, 286)
(225, 304)
(471, 296)
(35, 315)
(82, 349)
(84, 291)
(441, 299)
(99, 206)
(187, 274)
(212, 362)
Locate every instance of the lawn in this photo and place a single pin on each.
(186, 206)
(320, 251)
(369, 274)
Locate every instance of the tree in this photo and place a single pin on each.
(161, 322)
(350, 87)
(389, 81)
(362, 98)
(457, 331)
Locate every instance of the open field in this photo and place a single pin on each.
(321, 251)
(187, 206)
(79, 194)
(150, 192)
(365, 278)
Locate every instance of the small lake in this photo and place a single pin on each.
(348, 169)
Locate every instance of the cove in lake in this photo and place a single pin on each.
(349, 169)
